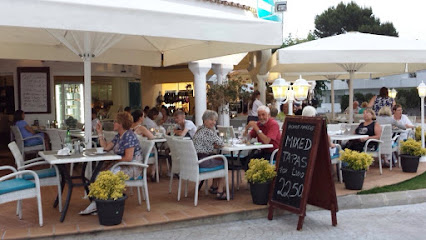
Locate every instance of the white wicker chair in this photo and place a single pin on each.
(18, 189)
(385, 144)
(47, 176)
(175, 160)
(190, 170)
(55, 139)
(20, 142)
(140, 182)
(271, 160)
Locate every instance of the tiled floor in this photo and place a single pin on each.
(164, 207)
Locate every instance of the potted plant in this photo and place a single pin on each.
(356, 165)
(260, 174)
(107, 191)
(411, 151)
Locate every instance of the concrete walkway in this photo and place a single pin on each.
(396, 222)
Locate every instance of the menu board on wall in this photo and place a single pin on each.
(34, 89)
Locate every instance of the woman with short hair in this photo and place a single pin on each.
(206, 141)
(125, 144)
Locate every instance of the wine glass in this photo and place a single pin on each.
(342, 128)
(348, 129)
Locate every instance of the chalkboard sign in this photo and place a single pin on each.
(34, 89)
(294, 161)
(303, 169)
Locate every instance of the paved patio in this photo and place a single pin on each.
(164, 207)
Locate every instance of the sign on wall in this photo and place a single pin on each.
(34, 89)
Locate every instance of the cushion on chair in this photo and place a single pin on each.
(151, 155)
(14, 185)
(138, 178)
(394, 145)
(273, 162)
(336, 155)
(202, 170)
(235, 155)
(44, 173)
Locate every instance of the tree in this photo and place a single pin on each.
(350, 17)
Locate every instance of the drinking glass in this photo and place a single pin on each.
(342, 128)
(348, 129)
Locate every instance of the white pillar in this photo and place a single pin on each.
(221, 70)
(87, 91)
(200, 70)
(261, 86)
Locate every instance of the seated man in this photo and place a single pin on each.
(266, 130)
(184, 128)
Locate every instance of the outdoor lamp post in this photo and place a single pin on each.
(422, 93)
(283, 91)
(392, 93)
(279, 89)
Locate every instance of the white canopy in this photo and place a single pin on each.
(352, 53)
(148, 33)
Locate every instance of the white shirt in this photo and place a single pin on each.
(149, 123)
(256, 104)
(190, 126)
(404, 120)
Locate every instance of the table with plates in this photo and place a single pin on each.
(238, 148)
(87, 156)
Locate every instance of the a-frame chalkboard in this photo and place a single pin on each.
(303, 169)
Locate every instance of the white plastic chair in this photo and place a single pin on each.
(385, 144)
(175, 160)
(48, 176)
(190, 170)
(20, 142)
(140, 182)
(109, 135)
(396, 148)
(335, 159)
(18, 189)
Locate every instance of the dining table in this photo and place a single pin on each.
(238, 148)
(346, 137)
(85, 157)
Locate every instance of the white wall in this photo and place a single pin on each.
(62, 69)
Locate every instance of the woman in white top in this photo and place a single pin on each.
(253, 105)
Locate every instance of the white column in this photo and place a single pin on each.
(221, 70)
(87, 91)
(423, 120)
(200, 70)
(261, 86)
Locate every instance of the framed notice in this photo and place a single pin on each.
(34, 89)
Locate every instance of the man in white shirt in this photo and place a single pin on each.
(184, 127)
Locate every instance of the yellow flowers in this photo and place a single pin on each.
(412, 147)
(108, 185)
(260, 171)
(355, 159)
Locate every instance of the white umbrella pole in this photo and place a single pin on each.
(423, 120)
(351, 97)
(332, 98)
(87, 92)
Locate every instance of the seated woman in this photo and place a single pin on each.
(125, 144)
(206, 141)
(385, 117)
(27, 131)
(368, 127)
(139, 129)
